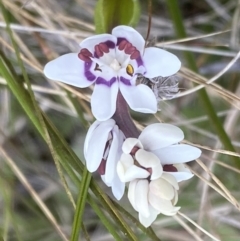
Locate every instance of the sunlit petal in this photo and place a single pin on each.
(160, 135)
(71, 70)
(159, 62)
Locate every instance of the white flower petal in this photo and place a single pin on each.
(162, 189)
(177, 154)
(159, 62)
(146, 222)
(171, 212)
(139, 98)
(141, 192)
(181, 167)
(103, 179)
(131, 35)
(181, 176)
(126, 161)
(162, 205)
(159, 135)
(71, 70)
(175, 199)
(118, 187)
(96, 146)
(133, 173)
(90, 132)
(157, 172)
(103, 101)
(121, 139)
(129, 143)
(91, 42)
(111, 164)
(146, 158)
(171, 179)
(131, 193)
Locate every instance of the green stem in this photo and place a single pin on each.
(82, 196)
(174, 10)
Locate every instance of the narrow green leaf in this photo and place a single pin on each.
(113, 211)
(148, 231)
(111, 13)
(105, 220)
(86, 178)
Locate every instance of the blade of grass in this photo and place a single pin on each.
(32, 192)
(85, 233)
(149, 231)
(82, 195)
(105, 220)
(37, 109)
(175, 13)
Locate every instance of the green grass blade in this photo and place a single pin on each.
(82, 196)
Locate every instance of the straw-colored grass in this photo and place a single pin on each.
(36, 198)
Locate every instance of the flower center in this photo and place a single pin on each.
(115, 65)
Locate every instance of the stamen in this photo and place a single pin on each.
(129, 48)
(85, 55)
(98, 51)
(130, 70)
(104, 48)
(122, 45)
(135, 54)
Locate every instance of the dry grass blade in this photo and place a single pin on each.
(220, 184)
(187, 228)
(33, 193)
(230, 153)
(210, 185)
(214, 78)
(45, 30)
(162, 44)
(196, 225)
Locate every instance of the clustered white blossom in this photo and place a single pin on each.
(152, 162)
(153, 166)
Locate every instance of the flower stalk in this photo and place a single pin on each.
(123, 118)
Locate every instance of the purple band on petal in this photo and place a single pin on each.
(125, 81)
(88, 74)
(109, 83)
(139, 61)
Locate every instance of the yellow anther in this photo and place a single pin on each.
(130, 70)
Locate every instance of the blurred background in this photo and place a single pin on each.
(31, 190)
